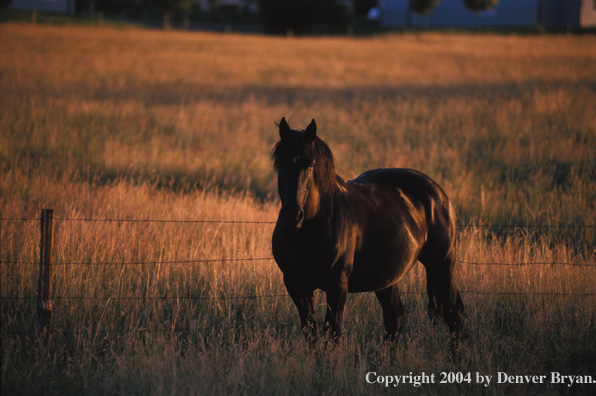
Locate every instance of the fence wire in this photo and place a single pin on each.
(194, 329)
(279, 295)
(254, 259)
(182, 221)
(249, 259)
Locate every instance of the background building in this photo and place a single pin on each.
(508, 13)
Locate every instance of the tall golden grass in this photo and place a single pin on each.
(133, 124)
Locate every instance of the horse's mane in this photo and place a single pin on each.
(316, 152)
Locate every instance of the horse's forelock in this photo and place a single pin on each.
(312, 152)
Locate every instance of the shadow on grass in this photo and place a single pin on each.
(161, 94)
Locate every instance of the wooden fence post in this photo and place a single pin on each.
(44, 285)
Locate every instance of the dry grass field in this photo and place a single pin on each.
(101, 123)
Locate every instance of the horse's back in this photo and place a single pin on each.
(412, 182)
(426, 196)
(419, 188)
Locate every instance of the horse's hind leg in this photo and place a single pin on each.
(393, 311)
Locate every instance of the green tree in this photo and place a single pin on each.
(302, 15)
(423, 7)
(361, 7)
(182, 8)
(480, 5)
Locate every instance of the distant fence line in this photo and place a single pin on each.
(281, 295)
(217, 260)
(99, 330)
(162, 330)
(44, 297)
(108, 220)
(207, 260)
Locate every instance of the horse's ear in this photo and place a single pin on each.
(311, 130)
(284, 128)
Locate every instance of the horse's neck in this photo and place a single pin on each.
(327, 196)
(340, 184)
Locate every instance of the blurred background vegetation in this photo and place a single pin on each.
(269, 16)
(275, 16)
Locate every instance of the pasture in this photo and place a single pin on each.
(102, 123)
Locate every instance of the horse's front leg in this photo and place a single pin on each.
(337, 292)
(304, 300)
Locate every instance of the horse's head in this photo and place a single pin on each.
(302, 162)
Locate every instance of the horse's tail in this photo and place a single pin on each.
(443, 297)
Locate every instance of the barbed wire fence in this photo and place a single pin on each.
(44, 297)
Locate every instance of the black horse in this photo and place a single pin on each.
(358, 236)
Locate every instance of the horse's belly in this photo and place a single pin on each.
(369, 281)
(382, 266)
